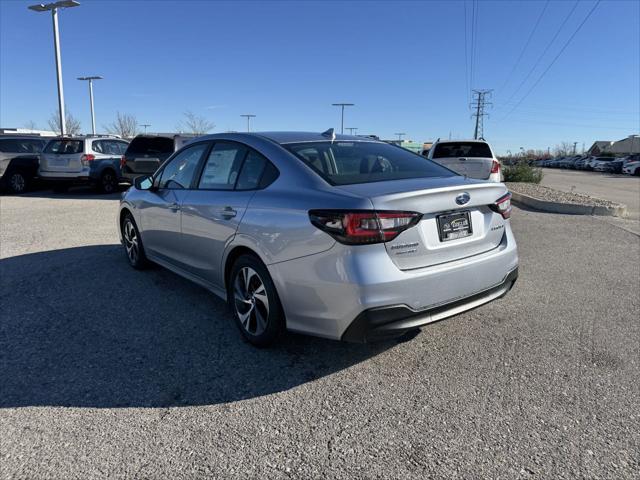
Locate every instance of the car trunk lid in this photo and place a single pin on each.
(422, 246)
(63, 156)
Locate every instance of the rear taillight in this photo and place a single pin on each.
(123, 161)
(86, 158)
(363, 226)
(495, 167)
(503, 206)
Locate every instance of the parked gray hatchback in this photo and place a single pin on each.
(337, 236)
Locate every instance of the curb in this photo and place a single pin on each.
(568, 208)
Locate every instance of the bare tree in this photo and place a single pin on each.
(125, 125)
(72, 123)
(563, 149)
(31, 125)
(195, 124)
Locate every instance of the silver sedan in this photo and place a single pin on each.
(343, 237)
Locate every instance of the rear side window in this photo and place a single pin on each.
(19, 145)
(252, 170)
(221, 170)
(150, 146)
(65, 147)
(462, 149)
(344, 163)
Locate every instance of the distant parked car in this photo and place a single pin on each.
(473, 158)
(89, 160)
(632, 165)
(603, 164)
(147, 152)
(19, 161)
(580, 163)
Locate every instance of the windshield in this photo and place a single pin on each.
(344, 163)
(150, 145)
(462, 149)
(64, 146)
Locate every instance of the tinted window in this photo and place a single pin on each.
(342, 163)
(150, 145)
(122, 147)
(221, 170)
(251, 171)
(64, 146)
(19, 145)
(180, 171)
(462, 149)
(98, 146)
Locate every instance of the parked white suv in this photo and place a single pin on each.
(473, 158)
(631, 165)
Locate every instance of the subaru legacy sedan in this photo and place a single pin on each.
(338, 236)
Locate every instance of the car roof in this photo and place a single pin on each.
(23, 137)
(299, 137)
(473, 140)
(169, 135)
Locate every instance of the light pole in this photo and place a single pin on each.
(93, 115)
(249, 117)
(342, 105)
(53, 7)
(145, 125)
(352, 129)
(400, 135)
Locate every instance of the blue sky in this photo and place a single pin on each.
(401, 63)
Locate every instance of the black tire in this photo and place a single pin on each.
(132, 242)
(260, 326)
(17, 182)
(108, 182)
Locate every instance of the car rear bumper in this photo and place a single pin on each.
(396, 320)
(325, 293)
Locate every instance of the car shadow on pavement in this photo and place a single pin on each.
(75, 193)
(80, 328)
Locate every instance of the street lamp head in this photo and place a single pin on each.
(343, 104)
(96, 77)
(42, 7)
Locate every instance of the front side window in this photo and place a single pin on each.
(462, 149)
(344, 163)
(181, 170)
(222, 167)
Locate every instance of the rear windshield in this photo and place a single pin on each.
(150, 145)
(344, 163)
(462, 149)
(64, 146)
(21, 145)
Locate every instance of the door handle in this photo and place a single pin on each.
(174, 207)
(228, 212)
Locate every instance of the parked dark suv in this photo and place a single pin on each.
(147, 152)
(19, 161)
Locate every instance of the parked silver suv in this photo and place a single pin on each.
(337, 236)
(19, 161)
(93, 160)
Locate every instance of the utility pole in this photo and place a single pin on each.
(249, 116)
(53, 7)
(352, 129)
(342, 105)
(574, 147)
(93, 115)
(479, 103)
(145, 125)
(400, 135)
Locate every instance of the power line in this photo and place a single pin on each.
(553, 39)
(556, 57)
(466, 55)
(526, 45)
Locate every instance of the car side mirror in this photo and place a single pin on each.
(144, 182)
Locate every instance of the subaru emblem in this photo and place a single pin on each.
(463, 198)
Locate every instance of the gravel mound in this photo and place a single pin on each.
(551, 195)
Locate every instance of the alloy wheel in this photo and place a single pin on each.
(17, 183)
(251, 301)
(131, 241)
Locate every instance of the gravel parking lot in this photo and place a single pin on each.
(106, 371)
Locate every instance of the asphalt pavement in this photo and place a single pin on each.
(617, 188)
(110, 372)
